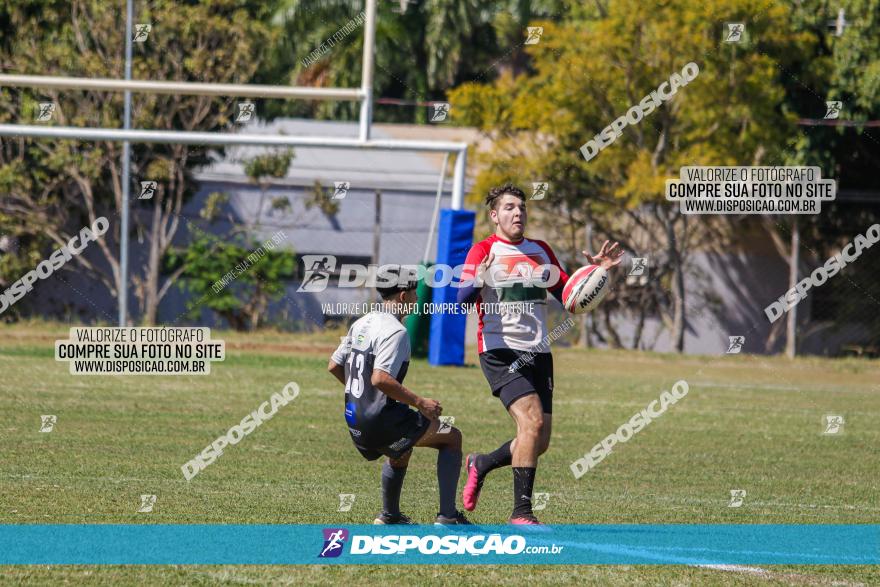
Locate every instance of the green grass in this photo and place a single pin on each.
(748, 423)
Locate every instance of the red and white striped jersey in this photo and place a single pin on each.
(512, 305)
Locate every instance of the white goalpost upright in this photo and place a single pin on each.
(127, 135)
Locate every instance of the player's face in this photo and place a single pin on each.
(509, 217)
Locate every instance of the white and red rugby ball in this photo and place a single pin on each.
(585, 289)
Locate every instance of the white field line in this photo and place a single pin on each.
(791, 578)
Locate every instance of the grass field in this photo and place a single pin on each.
(748, 423)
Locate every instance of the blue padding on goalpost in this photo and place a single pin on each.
(454, 238)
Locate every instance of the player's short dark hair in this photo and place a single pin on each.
(389, 291)
(495, 193)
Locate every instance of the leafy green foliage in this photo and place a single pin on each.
(269, 165)
(235, 281)
(53, 187)
(323, 199)
(420, 52)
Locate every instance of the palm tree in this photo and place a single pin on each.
(423, 48)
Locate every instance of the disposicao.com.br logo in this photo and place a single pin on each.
(526, 271)
(450, 544)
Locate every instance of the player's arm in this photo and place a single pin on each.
(476, 264)
(388, 385)
(555, 289)
(338, 371)
(336, 366)
(390, 354)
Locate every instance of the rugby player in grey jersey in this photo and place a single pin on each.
(371, 362)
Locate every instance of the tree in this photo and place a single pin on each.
(589, 73)
(54, 187)
(422, 49)
(260, 168)
(843, 67)
(235, 281)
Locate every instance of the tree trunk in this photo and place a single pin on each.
(640, 327)
(794, 259)
(678, 293)
(150, 301)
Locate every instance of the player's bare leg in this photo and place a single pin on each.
(448, 445)
(479, 465)
(532, 439)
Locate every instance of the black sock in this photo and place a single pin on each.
(523, 482)
(448, 470)
(500, 457)
(392, 483)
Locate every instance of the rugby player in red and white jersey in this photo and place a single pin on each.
(508, 276)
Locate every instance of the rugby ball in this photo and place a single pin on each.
(585, 289)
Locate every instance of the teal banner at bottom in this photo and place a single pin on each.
(269, 544)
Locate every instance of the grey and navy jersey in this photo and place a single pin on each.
(375, 341)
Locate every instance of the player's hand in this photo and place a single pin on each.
(429, 408)
(607, 257)
(483, 267)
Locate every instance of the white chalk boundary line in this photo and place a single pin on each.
(792, 578)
